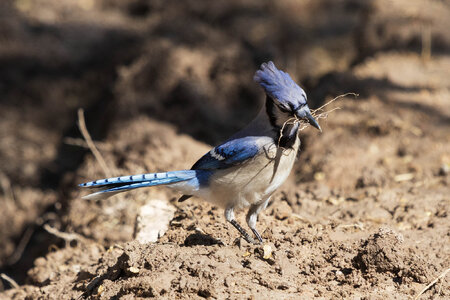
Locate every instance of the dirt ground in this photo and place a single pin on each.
(364, 214)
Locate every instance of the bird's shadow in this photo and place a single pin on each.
(200, 239)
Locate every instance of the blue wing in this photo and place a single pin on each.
(230, 153)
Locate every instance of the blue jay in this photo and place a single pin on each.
(245, 170)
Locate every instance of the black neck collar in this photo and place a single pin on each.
(287, 138)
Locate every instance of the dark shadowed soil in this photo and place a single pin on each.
(364, 214)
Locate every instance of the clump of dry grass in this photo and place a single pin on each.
(318, 113)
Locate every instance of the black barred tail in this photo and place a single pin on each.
(110, 186)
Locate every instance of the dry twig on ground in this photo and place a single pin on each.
(440, 277)
(67, 237)
(9, 280)
(90, 143)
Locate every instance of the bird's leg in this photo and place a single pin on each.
(258, 236)
(229, 216)
(244, 233)
(252, 217)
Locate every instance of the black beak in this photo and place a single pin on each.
(305, 113)
(313, 121)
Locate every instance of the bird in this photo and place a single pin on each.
(245, 170)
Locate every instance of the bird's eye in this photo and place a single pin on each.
(284, 108)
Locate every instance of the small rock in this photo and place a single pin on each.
(282, 211)
(444, 170)
(40, 261)
(100, 289)
(153, 221)
(267, 252)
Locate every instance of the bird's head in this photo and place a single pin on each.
(286, 99)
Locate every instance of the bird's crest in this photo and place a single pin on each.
(280, 86)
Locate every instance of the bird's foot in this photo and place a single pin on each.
(258, 236)
(244, 233)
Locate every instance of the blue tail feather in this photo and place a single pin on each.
(184, 175)
(114, 185)
(142, 184)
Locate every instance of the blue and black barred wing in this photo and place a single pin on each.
(231, 153)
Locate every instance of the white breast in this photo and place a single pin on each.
(254, 181)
